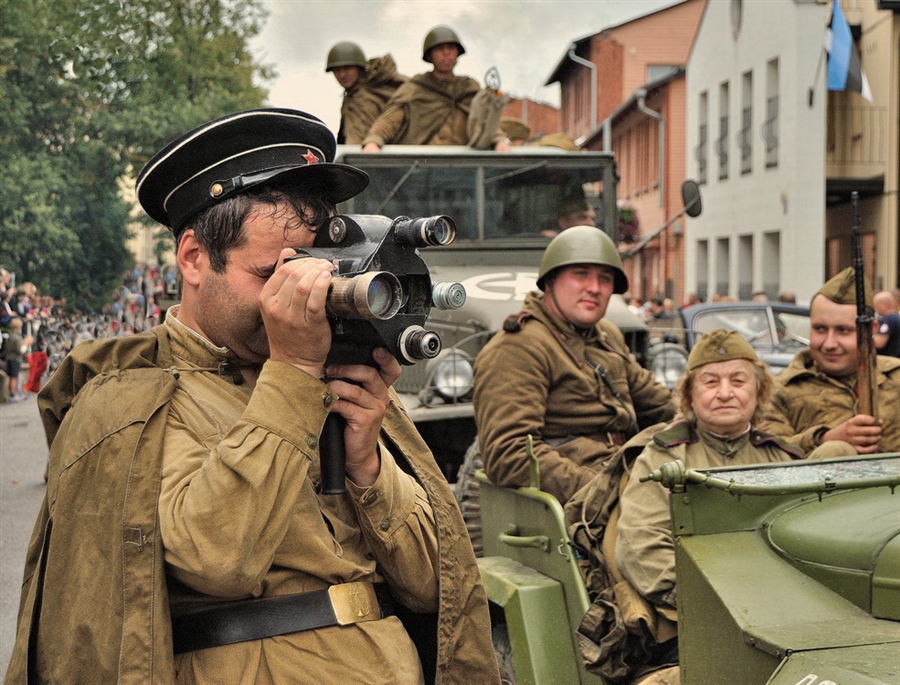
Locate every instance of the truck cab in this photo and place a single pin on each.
(505, 208)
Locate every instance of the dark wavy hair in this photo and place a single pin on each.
(220, 228)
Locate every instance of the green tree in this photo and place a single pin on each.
(88, 91)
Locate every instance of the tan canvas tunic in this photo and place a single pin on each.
(540, 380)
(427, 110)
(808, 402)
(645, 549)
(95, 601)
(365, 100)
(240, 518)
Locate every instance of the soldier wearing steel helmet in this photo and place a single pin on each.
(368, 85)
(431, 108)
(561, 373)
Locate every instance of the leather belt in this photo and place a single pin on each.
(611, 438)
(254, 619)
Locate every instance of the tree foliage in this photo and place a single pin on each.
(89, 90)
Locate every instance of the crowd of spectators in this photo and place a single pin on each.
(49, 329)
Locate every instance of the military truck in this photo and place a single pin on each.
(788, 574)
(505, 207)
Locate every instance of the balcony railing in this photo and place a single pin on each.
(856, 134)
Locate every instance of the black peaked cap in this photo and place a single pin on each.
(237, 152)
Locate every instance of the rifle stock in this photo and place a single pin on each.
(865, 343)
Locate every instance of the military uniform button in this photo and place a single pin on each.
(311, 441)
(328, 400)
(385, 524)
(371, 497)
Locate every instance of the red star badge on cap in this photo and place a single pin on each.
(310, 157)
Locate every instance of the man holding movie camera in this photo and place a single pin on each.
(186, 536)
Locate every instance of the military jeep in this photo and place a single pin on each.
(788, 574)
(504, 206)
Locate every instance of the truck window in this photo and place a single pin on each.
(500, 198)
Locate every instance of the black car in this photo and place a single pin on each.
(776, 330)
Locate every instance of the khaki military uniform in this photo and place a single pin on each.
(365, 100)
(427, 110)
(171, 487)
(807, 403)
(540, 377)
(645, 549)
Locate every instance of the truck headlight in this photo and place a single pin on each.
(668, 362)
(452, 375)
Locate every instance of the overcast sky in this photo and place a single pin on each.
(524, 39)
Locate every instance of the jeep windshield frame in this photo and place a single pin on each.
(496, 199)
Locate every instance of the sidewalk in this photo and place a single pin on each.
(23, 457)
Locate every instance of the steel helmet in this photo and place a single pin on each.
(345, 54)
(438, 36)
(582, 245)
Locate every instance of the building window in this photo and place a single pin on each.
(702, 271)
(770, 125)
(701, 153)
(657, 72)
(771, 264)
(722, 142)
(745, 136)
(745, 267)
(723, 261)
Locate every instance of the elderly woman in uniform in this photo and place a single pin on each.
(723, 395)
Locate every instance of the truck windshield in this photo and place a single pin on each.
(501, 197)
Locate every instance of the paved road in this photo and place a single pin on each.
(23, 455)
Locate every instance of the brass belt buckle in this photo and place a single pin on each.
(354, 603)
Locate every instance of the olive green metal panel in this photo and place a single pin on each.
(715, 650)
(869, 665)
(838, 540)
(534, 606)
(527, 526)
(886, 583)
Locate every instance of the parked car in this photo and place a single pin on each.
(776, 330)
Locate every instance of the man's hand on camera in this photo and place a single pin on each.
(363, 400)
(292, 304)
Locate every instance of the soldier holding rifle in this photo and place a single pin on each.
(823, 395)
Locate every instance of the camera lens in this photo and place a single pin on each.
(372, 295)
(425, 232)
(448, 295)
(416, 343)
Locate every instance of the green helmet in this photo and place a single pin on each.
(345, 54)
(582, 245)
(438, 36)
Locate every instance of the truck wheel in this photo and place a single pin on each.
(503, 650)
(466, 491)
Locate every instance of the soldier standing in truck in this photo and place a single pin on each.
(431, 108)
(368, 85)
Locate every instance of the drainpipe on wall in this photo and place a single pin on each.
(641, 95)
(593, 67)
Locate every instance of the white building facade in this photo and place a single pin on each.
(755, 141)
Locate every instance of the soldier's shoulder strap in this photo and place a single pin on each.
(514, 322)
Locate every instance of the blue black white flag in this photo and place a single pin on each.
(844, 70)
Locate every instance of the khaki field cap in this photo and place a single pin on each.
(239, 151)
(582, 245)
(438, 36)
(345, 54)
(720, 346)
(841, 289)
